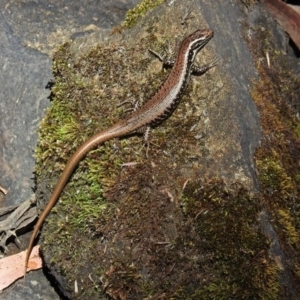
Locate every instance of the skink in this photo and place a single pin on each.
(153, 112)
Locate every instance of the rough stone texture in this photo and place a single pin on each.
(24, 75)
(238, 67)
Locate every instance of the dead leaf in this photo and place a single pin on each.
(287, 17)
(12, 267)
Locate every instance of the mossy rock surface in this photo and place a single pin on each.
(189, 221)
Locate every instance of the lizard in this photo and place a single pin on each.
(153, 112)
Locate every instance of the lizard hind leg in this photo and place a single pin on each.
(134, 103)
(146, 132)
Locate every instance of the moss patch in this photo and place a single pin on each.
(133, 15)
(277, 160)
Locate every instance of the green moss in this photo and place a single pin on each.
(297, 130)
(133, 15)
(225, 221)
(273, 176)
(286, 221)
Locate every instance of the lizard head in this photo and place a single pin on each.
(196, 41)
